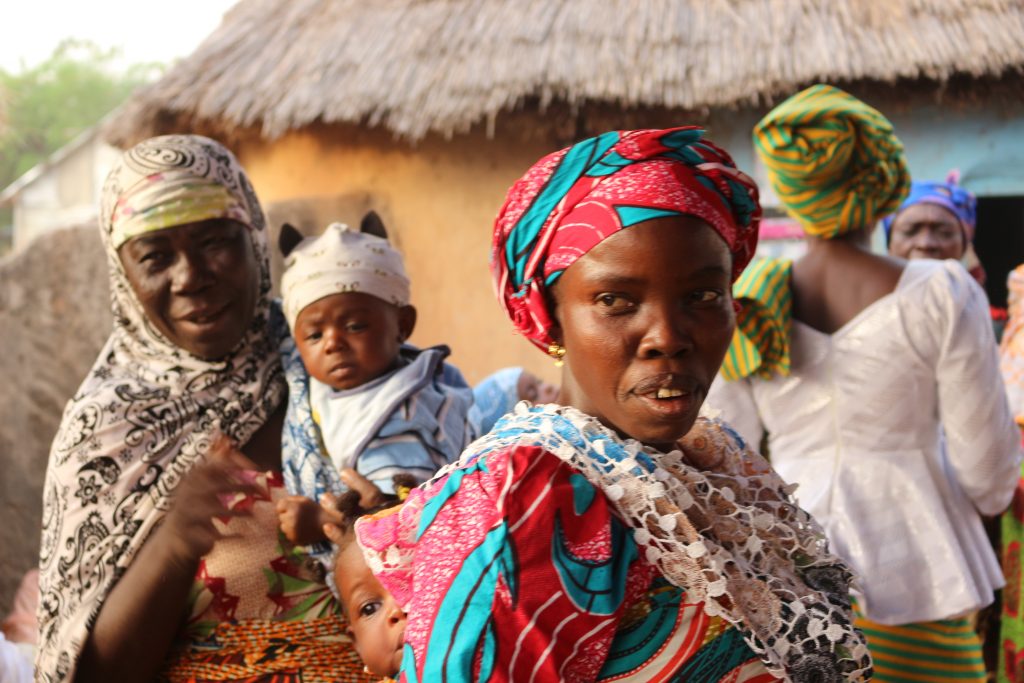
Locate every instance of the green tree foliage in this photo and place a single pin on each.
(46, 106)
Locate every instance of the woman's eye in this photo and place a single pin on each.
(220, 236)
(369, 609)
(155, 262)
(153, 256)
(614, 302)
(706, 296)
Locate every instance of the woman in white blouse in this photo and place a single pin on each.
(877, 383)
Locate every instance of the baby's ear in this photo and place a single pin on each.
(288, 239)
(373, 225)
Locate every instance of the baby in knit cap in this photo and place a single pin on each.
(358, 393)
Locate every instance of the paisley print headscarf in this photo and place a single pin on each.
(148, 410)
(572, 200)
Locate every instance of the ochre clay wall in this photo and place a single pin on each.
(438, 200)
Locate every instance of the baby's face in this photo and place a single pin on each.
(376, 622)
(535, 390)
(349, 339)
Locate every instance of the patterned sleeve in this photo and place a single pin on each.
(307, 469)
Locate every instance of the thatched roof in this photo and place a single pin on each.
(416, 66)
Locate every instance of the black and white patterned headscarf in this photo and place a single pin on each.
(148, 410)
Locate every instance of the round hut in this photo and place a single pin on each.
(426, 111)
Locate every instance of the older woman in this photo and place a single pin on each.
(877, 383)
(614, 535)
(936, 220)
(160, 555)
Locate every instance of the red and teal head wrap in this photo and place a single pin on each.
(573, 199)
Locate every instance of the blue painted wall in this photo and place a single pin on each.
(985, 143)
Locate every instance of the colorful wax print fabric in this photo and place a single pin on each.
(555, 551)
(945, 651)
(760, 344)
(573, 199)
(834, 162)
(259, 609)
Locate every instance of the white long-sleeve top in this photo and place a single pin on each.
(859, 425)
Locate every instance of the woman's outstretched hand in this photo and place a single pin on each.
(204, 495)
(152, 597)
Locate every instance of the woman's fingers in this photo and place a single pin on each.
(207, 499)
(225, 450)
(214, 480)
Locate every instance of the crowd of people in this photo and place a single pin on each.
(247, 489)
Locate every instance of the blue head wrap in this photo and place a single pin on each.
(949, 195)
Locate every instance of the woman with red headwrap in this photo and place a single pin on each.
(615, 535)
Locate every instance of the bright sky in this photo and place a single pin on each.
(145, 30)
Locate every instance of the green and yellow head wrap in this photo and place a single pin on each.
(833, 161)
(837, 166)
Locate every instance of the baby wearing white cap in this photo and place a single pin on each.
(381, 407)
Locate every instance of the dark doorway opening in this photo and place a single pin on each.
(999, 242)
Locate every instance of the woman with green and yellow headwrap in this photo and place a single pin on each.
(854, 365)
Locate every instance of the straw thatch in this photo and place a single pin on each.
(416, 66)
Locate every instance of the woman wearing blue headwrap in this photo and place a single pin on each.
(937, 220)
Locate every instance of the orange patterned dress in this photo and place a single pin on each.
(260, 613)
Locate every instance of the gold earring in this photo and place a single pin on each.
(557, 351)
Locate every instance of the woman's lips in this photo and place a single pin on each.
(669, 407)
(668, 395)
(203, 315)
